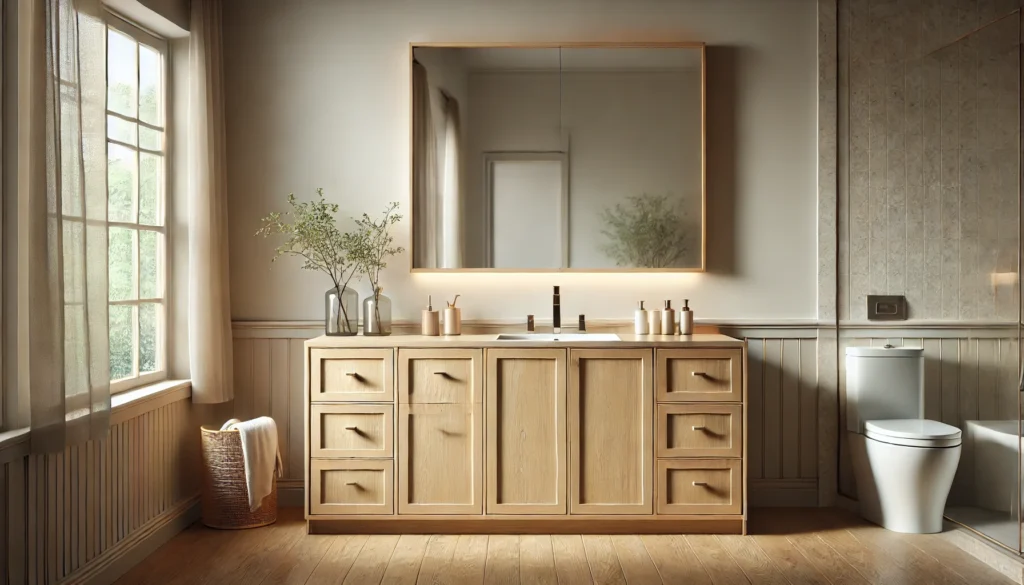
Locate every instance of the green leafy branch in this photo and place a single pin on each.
(645, 232)
(311, 233)
(372, 244)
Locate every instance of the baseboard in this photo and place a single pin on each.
(783, 493)
(291, 493)
(118, 559)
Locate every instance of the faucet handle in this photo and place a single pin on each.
(583, 323)
(529, 323)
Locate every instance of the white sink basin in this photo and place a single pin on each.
(558, 337)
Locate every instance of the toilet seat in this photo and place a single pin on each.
(913, 433)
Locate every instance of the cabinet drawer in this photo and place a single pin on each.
(700, 486)
(445, 376)
(351, 430)
(351, 375)
(352, 487)
(700, 375)
(700, 430)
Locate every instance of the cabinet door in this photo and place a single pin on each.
(610, 431)
(526, 431)
(440, 454)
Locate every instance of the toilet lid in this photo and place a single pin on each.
(913, 432)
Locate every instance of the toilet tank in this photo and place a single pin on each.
(883, 383)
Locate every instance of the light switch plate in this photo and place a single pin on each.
(887, 308)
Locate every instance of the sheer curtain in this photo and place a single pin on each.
(451, 200)
(63, 107)
(424, 169)
(209, 305)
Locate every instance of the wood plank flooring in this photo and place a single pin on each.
(788, 547)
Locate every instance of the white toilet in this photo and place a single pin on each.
(904, 465)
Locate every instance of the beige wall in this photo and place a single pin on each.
(318, 95)
(928, 167)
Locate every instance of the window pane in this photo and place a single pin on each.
(151, 139)
(121, 130)
(122, 264)
(74, 261)
(121, 170)
(122, 73)
(70, 144)
(122, 353)
(151, 169)
(150, 264)
(150, 91)
(149, 326)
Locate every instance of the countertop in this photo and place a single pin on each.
(705, 340)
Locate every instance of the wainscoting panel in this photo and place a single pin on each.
(68, 516)
(969, 375)
(783, 393)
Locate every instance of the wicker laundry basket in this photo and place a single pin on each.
(225, 497)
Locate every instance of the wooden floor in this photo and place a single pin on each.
(803, 546)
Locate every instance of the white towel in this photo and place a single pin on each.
(261, 455)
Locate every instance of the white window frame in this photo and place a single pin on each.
(159, 44)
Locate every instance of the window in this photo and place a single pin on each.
(136, 188)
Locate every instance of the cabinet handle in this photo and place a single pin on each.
(357, 483)
(699, 428)
(700, 483)
(440, 373)
(357, 429)
(698, 374)
(353, 374)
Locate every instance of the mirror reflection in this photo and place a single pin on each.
(558, 158)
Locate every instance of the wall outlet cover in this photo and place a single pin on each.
(887, 308)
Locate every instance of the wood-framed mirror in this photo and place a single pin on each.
(558, 157)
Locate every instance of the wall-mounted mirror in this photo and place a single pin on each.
(558, 158)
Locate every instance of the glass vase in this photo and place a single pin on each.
(377, 315)
(341, 312)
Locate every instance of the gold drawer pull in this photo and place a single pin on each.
(356, 429)
(699, 428)
(440, 373)
(353, 374)
(352, 483)
(700, 483)
(700, 374)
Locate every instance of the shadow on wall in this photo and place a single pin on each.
(720, 153)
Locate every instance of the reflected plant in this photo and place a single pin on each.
(371, 245)
(312, 234)
(646, 231)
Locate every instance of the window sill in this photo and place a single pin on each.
(123, 406)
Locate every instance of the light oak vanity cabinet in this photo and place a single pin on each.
(470, 434)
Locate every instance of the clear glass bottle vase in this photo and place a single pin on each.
(341, 312)
(377, 315)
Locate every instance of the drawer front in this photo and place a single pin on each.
(352, 487)
(351, 375)
(700, 486)
(700, 375)
(700, 430)
(352, 430)
(446, 376)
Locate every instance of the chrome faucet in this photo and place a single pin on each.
(556, 312)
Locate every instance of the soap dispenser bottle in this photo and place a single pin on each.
(668, 319)
(640, 325)
(430, 323)
(686, 319)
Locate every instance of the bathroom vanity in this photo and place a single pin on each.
(494, 433)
